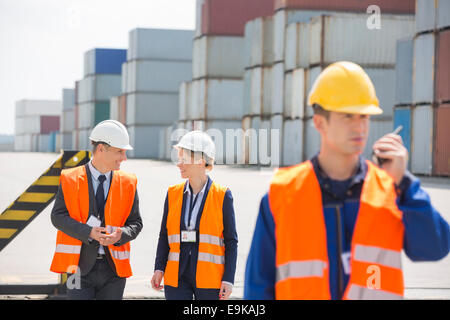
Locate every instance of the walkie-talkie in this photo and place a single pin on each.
(379, 160)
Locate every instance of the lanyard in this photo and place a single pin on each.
(191, 208)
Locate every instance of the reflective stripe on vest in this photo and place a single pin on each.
(211, 245)
(174, 238)
(208, 257)
(174, 256)
(65, 248)
(207, 238)
(301, 243)
(300, 269)
(385, 257)
(120, 255)
(75, 187)
(357, 292)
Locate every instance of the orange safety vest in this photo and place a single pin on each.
(118, 206)
(301, 245)
(211, 248)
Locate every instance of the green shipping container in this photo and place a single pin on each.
(101, 112)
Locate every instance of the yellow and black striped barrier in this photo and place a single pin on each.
(37, 196)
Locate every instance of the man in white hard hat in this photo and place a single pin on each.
(197, 247)
(96, 212)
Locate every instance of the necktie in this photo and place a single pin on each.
(100, 197)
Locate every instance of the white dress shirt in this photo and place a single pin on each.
(95, 183)
(198, 198)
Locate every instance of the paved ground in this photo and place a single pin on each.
(27, 259)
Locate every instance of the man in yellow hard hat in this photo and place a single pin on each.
(333, 227)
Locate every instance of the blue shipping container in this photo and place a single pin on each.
(109, 61)
(402, 116)
(104, 61)
(52, 142)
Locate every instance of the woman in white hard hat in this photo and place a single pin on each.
(197, 247)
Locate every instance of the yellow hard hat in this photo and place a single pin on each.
(345, 87)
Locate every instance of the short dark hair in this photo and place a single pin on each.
(95, 144)
(317, 109)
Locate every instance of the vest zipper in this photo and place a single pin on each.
(339, 246)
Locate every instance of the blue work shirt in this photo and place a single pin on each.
(426, 238)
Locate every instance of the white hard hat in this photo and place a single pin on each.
(113, 133)
(198, 141)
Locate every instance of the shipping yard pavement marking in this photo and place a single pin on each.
(37, 196)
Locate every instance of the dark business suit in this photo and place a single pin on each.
(98, 276)
(189, 251)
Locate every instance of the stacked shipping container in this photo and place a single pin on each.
(158, 61)
(213, 101)
(311, 46)
(430, 143)
(35, 120)
(67, 118)
(102, 80)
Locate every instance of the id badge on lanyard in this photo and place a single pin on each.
(188, 236)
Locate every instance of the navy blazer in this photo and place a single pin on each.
(189, 251)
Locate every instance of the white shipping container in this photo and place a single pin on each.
(276, 139)
(424, 68)
(152, 109)
(281, 19)
(297, 46)
(19, 126)
(68, 99)
(348, 37)
(198, 17)
(294, 90)
(228, 138)
(83, 139)
(68, 121)
(259, 42)
(247, 92)
(145, 141)
(260, 91)
(98, 88)
(86, 113)
(31, 124)
(114, 108)
(43, 142)
(422, 140)
(38, 107)
(157, 76)
(443, 18)
(67, 141)
(217, 99)
(160, 44)
(292, 142)
(426, 15)
(184, 100)
(124, 78)
(218, 56)
(58, 143)
(277, 104)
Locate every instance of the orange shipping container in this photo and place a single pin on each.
(442, 141)
(443, 67)
(123, 109)
(228, 17)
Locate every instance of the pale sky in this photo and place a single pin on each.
(42, 42)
